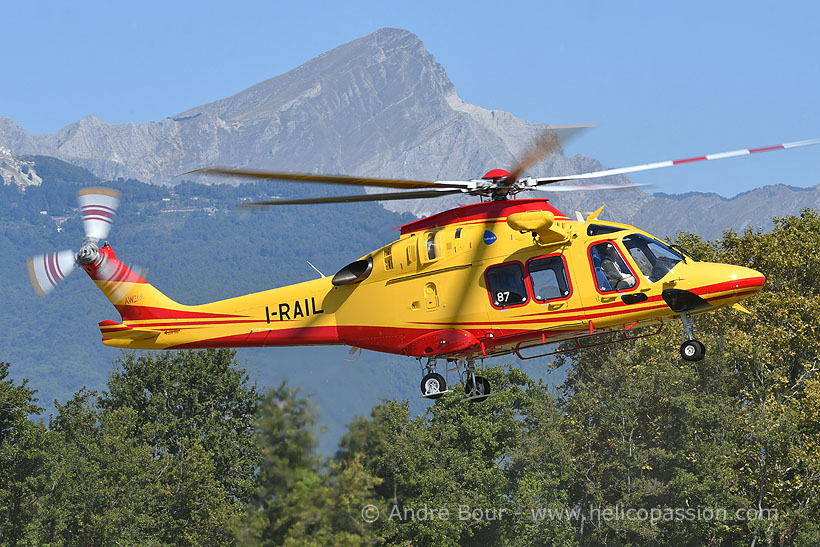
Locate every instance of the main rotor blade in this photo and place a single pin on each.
(327, 179)
(549, 142)
(389, 196)
(671, 163)
(586, 187)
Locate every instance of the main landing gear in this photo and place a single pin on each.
(690, 349)
(434, 385)
(476, 388)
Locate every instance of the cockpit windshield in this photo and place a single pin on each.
(655, 259)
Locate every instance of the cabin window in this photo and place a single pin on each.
(610, 269)
(548, 276)
(653, 258)
(506, 285)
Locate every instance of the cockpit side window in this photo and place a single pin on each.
(654, 259)
(548, 276)
(506, 285)
(611, 270)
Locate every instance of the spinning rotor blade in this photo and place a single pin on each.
(671, 163)
(97, 207)
(585, 187)
(549, 142)
(327, 179)
(46, 271)
(389, 196)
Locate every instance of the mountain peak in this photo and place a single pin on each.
(377, 64)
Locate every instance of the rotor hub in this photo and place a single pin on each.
(88, 254)
(496, 174)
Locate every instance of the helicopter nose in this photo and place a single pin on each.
(745, 282)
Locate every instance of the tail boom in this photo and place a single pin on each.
(151, 320)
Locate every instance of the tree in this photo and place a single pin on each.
(24, 447)
(465, 473)
(284, 432)
(297, 502)
(166, 457)
(191, 398)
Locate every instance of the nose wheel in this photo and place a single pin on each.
(690, 349)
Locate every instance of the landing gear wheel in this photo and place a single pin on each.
(692, 350)
(433, 385)
(478, 392)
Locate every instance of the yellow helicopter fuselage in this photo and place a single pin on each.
(485, 279)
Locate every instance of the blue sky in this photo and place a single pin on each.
(661, 80)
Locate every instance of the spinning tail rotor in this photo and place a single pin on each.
(97, 207)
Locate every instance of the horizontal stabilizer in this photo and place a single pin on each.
(117, 334)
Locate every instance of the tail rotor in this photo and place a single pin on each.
(46, 271)
(97, 208)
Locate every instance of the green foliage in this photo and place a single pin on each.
(460, 458)
(737, 430)
(23, 450)
(191, 399)
(296, 502)
(168, 457)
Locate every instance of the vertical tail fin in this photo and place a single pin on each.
(133, 297)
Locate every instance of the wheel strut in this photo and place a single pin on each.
(476, 388)
(690, 349)
(433, 385)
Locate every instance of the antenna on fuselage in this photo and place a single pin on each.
(315, 268)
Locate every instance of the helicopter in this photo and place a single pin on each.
(498, 277)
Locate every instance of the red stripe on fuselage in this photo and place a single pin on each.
(307, 336)
(145, 313)
(754, 283)
(486, 211)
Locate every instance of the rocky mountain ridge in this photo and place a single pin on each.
(17, 171)
(377, 106)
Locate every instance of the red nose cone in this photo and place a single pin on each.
(496, 174)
